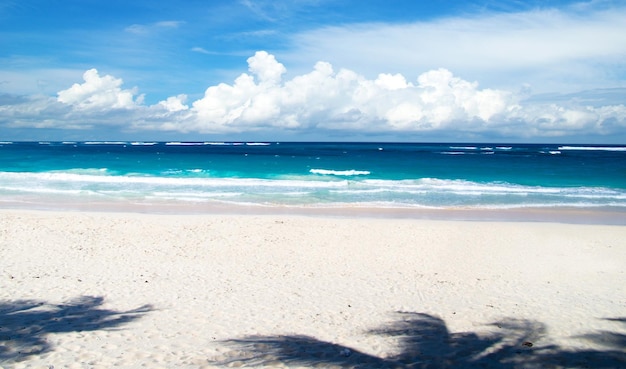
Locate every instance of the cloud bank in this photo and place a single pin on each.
(321, 100)
(549, 49)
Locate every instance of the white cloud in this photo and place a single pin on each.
(552, 50)
(322, 100)
(34, 80)
(344, 99)
(98, 93)
(266, 68)
(144, 29)
(198, 49)
(175, 103)
(168, 24)
(136, 29)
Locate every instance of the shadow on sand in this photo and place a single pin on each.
(24, 324)
(425, 342)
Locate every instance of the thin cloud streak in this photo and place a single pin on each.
(201, 50)
(144, 29)
(498, 49)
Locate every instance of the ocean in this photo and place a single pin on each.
(313, 175)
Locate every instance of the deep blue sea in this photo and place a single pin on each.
(290, 174)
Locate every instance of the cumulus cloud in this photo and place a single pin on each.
(321, 100)
(175, 103)
(338, 100)
(99, 93)
(266, 68)
(437, 100)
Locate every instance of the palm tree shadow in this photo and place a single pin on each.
(613, 356)
(424, 341)
(24, 324)
(612, 339)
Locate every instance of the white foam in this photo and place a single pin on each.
(178, 143)
(105, 143)
(593, 148)
(99, 175)
(433, 185)
(463, 147)
(195, 195)
(309, 190)
(221, 143)
(351, 172)
(76, 171)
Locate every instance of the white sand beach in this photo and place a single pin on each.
(103, 290)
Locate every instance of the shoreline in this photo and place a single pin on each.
(569, 215)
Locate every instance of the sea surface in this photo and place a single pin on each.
(314, 175)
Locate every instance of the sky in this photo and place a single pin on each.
(314, 70)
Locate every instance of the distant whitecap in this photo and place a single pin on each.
(593, 148)
(340, 172)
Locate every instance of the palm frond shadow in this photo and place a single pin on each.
(24, 324)
(424, 341)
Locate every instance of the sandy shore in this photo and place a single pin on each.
(102, 290)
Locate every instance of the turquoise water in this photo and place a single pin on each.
(316, 174)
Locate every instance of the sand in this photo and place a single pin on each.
(102, 290)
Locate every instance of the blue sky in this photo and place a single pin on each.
(509, 71)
